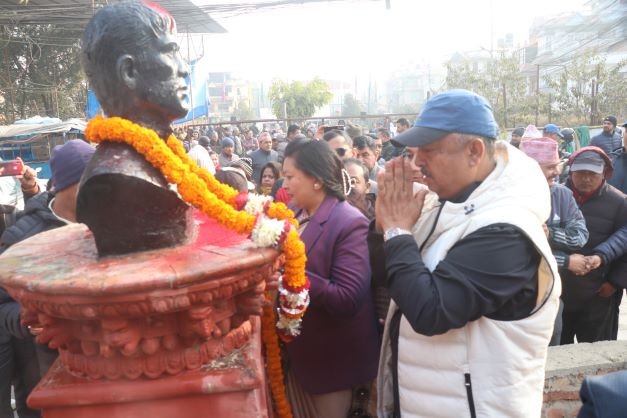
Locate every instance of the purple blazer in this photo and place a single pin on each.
(338, 347)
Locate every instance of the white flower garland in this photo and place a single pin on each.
(269, 233)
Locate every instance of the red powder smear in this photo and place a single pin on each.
(159, 9)
(211, 232)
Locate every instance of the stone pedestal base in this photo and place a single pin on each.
(232, 386)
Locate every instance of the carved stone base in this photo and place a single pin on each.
(231, 386)
(162, 333)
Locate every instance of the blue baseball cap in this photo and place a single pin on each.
(550, 128)
(458, 110)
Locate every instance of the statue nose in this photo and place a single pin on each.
(183, 67)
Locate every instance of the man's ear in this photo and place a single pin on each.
(126, 71)
(476, 150)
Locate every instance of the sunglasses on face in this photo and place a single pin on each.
(341, 151)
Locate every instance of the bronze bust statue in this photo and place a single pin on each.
(131, 57)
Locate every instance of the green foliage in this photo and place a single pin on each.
(40, 72)
(500, 81)
(351, 106)
(582, 91)
(299, 99)
(244, 111)
(588, 89)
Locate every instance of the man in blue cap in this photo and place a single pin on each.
(474, 285)
(552, 131)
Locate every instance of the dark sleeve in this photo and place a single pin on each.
(618, 267)
(377, 257)
(603, 396)
(344, 291)
(491, 272)
(613, 247)
(10, 316)
(28, 194)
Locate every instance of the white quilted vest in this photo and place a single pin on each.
(504, 360)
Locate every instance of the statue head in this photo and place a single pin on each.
(131, 57)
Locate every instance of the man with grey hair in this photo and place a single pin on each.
(473, 282)
(262, 156)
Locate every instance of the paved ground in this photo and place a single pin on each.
(622, 320)
(622, 323)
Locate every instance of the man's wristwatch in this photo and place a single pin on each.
(394, 232)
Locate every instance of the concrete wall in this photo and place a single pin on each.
(566, 367)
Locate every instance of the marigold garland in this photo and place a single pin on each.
(221, 202)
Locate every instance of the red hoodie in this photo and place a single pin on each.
(581, 198)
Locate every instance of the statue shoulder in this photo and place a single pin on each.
(115, 158)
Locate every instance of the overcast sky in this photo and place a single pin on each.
(338, 40)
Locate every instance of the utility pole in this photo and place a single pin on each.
(595, 92)
(504, 104)
(191, 76)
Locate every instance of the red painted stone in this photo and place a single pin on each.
(140, 334)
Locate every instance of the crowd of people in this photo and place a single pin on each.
(442, 262)
(436, 255)
(470, 255)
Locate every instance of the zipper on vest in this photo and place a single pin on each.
(471, 401)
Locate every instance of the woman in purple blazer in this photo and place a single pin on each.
(338, 348)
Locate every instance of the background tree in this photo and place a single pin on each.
(298, 99)
(351, 106)
(40, 72)
(244, 111)
(587, 89)
(500, 81)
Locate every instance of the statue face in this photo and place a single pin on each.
(161, 73)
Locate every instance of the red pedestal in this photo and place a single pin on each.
(163, 333)
(233, 386)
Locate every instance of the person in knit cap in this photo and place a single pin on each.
(227, 156)
(609, 139)
(21, 359)
(517, 135)
(565, 227)
(589, 289)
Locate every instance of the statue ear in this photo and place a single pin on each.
(126, 71)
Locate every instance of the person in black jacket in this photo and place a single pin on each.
(22, 361)
(604, 396)
(589, 289)
(29, 186)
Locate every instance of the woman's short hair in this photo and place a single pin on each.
(272, 165)
(318, 160)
